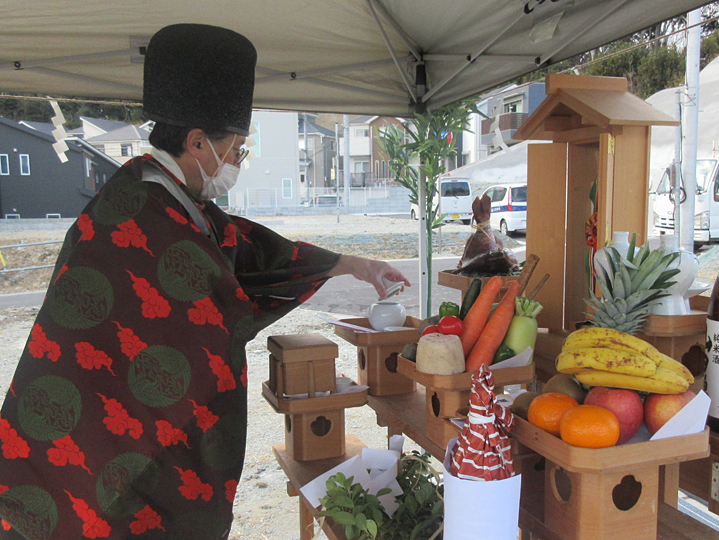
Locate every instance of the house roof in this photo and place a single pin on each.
(45, 127)
(123, 134)
(364, 119)
(313, 129)
(104, 125)
(75, 144)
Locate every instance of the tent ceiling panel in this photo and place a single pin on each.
(318, 55)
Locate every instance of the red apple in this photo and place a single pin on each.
(659, 408)
(626, 406)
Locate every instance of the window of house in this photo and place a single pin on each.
(513, 105)
(4, 164)
(361, 166)
(100, 147)
(376, 167)
(361, 132)
(88, 166)
(25, 164)
(126, 150)
(223, 200)
(287, 188)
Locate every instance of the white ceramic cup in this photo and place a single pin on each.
(384, 314)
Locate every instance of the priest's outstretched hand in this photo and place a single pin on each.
(369, 270)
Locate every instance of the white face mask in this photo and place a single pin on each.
(224, 178)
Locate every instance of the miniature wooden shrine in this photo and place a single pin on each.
(314, 423)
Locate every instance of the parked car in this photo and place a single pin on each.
(327, 200)
(706, 203)
(456, 200)
(509, 207)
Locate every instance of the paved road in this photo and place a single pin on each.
(23, 299)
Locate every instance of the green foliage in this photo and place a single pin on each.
(40, 111)
(430, 143)
(419, 516)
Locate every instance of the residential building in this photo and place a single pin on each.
(317, 155)
(270, 179)
(368, 165)
(34, 183)
(508, 109)
(122, 144)
(93, 127)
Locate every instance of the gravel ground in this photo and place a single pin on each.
(262, 508)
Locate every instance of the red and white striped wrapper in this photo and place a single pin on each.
(484, 451)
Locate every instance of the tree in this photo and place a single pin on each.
(430, 143)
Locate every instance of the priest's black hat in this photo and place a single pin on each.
(200, 76)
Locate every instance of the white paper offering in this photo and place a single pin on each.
(373, 470)
(692, 418)
(518, 360)
(475, 509)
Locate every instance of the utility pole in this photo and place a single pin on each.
(346, 166)
(307, 158)
(691, 113)
(677, 168)
(336, 170)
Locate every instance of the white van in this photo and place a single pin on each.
(509, 207)
(456, 200)
(706, 209)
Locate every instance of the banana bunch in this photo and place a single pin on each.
(607, 357)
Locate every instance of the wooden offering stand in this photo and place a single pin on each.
(315, 425)
(377, 356)
(446, 394)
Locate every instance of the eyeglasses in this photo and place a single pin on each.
(240, 153)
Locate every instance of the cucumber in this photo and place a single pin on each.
(470, 296)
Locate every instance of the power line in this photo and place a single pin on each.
(74, 100)
(636, 46)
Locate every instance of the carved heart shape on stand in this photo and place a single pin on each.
(321, 426)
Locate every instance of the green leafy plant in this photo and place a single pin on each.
(430, 140)
(419, 515)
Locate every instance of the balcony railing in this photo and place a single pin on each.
(507, 121)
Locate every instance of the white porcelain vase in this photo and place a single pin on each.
(620, 242)
(384, 314)
(677, 303)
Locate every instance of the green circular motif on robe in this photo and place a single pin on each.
(30, 510)
(120, 200)
(49, 408)
(223, 445)
(198, 525)
(81, 298)
(186, 272)
(159, 376)
(126, 483)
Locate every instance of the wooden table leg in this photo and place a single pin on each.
(669, 484)
(307, 522)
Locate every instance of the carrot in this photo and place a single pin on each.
(478, 314)
(491, 337)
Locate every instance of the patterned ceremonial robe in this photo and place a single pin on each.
(127, 415)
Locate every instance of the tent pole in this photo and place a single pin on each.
(339, 86)
(588, 24)
(405, 77)
(79, 58)
(291, 76)
(400, 31)
(423, 277)
(92, 80)
(441, 84)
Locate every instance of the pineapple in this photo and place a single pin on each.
(630, 286)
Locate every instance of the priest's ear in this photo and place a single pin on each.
(195, 142)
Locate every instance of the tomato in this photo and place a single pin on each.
(431, 329)
(449, 324)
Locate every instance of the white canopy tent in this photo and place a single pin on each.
(347, 56)
(379, 57)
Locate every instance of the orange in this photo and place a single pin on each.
(589, 426)
(546, 410)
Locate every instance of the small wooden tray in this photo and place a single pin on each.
(614, 458)
(315, 404)
(454, 281)
(366, 339)
(463, 381)
(676, 325)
